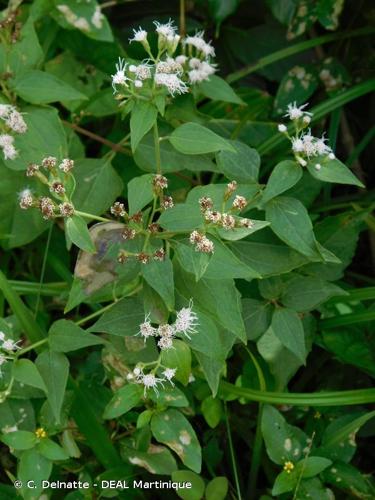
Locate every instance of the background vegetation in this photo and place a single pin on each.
(274, 390)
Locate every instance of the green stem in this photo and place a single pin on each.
(295, 49)
(91, 216)
(258, 440)
(157, 148)
(43, 270)
(31, 347)
(233, 458)
(95, 314)
(329, 398)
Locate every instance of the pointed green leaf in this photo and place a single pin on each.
(142, 118)
(194, 139)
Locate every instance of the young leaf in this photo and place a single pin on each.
(124, 400)
(182, 217)
(312, 466)
(54, 369)
(284, 482)
(170, 427)
(284, 176)
(242, 164)
(194, 139)
(170, 396)
(78, 233)
(142, 118)
(333, 171)
(65, 336)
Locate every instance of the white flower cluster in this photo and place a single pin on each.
(7, 347)
(13, 122)
(304, 145)
(150, 380)
(186, 323)
(168, 70)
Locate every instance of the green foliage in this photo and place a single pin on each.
(185, 255)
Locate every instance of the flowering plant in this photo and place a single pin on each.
(185, 273)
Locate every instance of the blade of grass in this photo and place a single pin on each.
(296, 49)
(347, 319)
(329, 398)
(232, 455)
(367, 138)
(33, 330)
(356, 294)
(31, 288)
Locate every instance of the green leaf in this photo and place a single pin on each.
(39, 87)
(217, 489)
(98, 185)
(219, 298)
(26, 372)
(19, 440)
(170, 396)
(291, 223)
(171, 428)
(123, 319)
(159, 275)
(312, 466)
(298, 84)
(241, 232)
(242, 164)
(51, 450)
(304, 293)
(194, 262)
(33, 467)
(36, 144)
(170, 159)
(78, 233)
(212, 369)
(126, 398)
(350, 479)
(140, 192)
(284, 176)
(197, 485)
(257, 317)
(268, 259)
(158, 460)
(182, 217)
(179, 357)
(212, 410)
(66, 336)
(288, 328)
(143, 117)
(284, 482)
(283, 441)
(333, 171)
(54, 369)
(194, 139)
(218, 89)
(336, 434)
(26, 52)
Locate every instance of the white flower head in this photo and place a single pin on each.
(297, 145)
(169, 373)
(295, 112)
(150, 381)
(119, 78)
(181, 59)
(165, 343)
(166, 30)
(16, 122)
(282, 128)
(5, 110)
(26, 199)
(186, 320)
(9, 345)
(200, 44)
(139, 35)
(166, 330)
(172, 82)
(331, 156)
(146, 330)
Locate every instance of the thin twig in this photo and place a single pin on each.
(98, 138)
